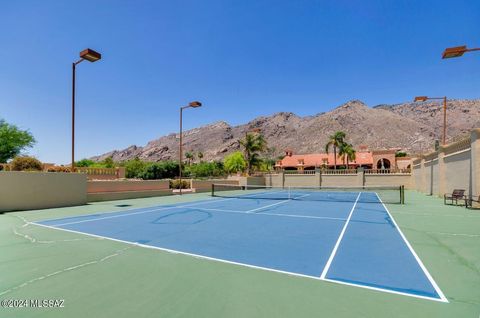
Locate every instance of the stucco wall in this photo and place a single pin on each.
(453, 166)
(389, 180)
(299, 180)
(274, 180)
(206, 185)
(341, 181)
(123, 195)
(127, 185)
(457, 171)
(250, 181)
(40, 190)
(417, 176)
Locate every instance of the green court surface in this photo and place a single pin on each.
(102, 278)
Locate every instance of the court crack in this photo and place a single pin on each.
(35, 240)
(462, 260)
(65, 270)
(58, 272)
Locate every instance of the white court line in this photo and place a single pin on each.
(267, 206)
(419, 261)
(274, 204)
(271, 214)
(161, 208)
(142, 212)
(134, 213)
(239, 264)
(340, 237)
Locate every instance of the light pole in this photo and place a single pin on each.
(457, 51)
(424, 98)
(91, 56)
(194, 104)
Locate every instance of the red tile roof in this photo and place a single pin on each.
(317, 160)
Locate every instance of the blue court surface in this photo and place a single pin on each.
(348, 238)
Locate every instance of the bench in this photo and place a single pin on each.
(469, 202)
(457, 194)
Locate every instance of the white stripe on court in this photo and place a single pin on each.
(146, 211)
(243, 264)
(269, 214)
(340, 237)
(134, 213)
(274, 204)
(419, 261)
(158, 208)
(267, 206)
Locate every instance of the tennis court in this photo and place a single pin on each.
(345, 236)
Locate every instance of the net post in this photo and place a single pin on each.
(213, 189)
(402, 194)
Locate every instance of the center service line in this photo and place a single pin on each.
(330, 259)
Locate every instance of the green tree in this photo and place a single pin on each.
(13, 141)
(108, 162)
(253, 145)
(84, 163)
(348, 153)
(336, 141)
(200, 155)
(190, 156)
(234, 162)
(160, 170)
(205, 170)
(268, 162)
(135, 168)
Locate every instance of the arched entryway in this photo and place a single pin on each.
(383, 163)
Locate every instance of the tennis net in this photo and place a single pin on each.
(366, 194)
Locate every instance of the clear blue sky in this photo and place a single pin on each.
(242, 59)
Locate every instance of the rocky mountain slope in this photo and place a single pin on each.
(413, 127)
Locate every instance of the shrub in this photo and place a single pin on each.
(58, 169)
(108, 163)
(205, 170)
(160, 170)
(175, 184)
(235, 162)
(84, 163)
(134, 168)
(26, 164)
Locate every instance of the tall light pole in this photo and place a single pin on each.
(424, 98)
(457, 51)
(194, 104)
(91, 56)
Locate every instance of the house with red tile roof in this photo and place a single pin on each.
(368, 159)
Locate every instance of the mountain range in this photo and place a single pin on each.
(411, 127)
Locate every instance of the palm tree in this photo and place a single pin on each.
(189, 155)
(348, 152)
(342, 151)
(200, 155)
(336, 141)
(252, 145)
